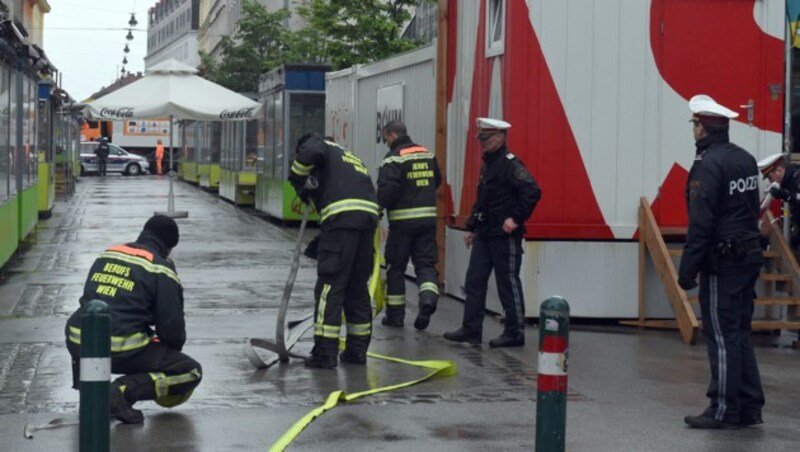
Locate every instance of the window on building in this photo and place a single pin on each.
(495, 27)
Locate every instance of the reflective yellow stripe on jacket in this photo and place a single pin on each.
(142, 262)
(412, 213)
(409, 157)
(118, 343)
(346, 205)
(300, 169)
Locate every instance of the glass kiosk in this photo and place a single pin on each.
(293, 98)
(239, 152)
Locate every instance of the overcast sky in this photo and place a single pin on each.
(79, 41)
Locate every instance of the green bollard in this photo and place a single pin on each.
(95, 376)
(551, 382)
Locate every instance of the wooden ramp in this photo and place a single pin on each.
(780, 280)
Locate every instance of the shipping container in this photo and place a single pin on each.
(360, 100)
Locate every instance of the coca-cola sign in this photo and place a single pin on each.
(122, 112)
(237, 114)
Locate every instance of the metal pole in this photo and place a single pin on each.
(19, 156)
(171, 212)
(551, 396)
(171, 202)
(787, 108)
(95, 376)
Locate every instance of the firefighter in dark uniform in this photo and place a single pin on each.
(507, 195)
(407, 183)
(722, 245)
(785, 180)
(348, 207)
(139, 283)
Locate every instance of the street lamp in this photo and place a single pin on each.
(124, 60)
(126, 49)
(133, 21)
(129, 37)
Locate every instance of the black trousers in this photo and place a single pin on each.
(344, 265)
(726, 304)
(418, 244)
(101, 166)
(158, 373)
(502, 254)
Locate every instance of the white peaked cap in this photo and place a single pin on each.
(491, 124)
(702, 104)
(769, 163)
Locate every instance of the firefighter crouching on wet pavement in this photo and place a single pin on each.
(507, 195)
(348, 208)
(140, 285)
(722, 244)
(407, 183)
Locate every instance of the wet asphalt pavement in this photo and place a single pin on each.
(628, 389)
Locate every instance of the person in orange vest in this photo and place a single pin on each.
(159, 156)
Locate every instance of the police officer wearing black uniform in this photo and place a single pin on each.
(507, 195)
(102, 151)
(785, 186)
(407, 183)
(722, 245)
(348, 207)
(139, 283)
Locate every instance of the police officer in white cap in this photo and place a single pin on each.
(722, 245)
(507, 195)
(785, 180)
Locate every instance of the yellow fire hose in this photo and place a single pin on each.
(439, 368)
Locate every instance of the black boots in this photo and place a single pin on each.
(394, 317)
(121, 408)
(427, 306)
(423, 317)
(322, 362)
(324, 355)
(748, 421)
(508, 340)
(460, 336)
(355, 349)
(351, 357)
(705, 421)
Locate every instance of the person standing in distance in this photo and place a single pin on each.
(507, 195)
(159, 156)
(722, 245)
(102, 151)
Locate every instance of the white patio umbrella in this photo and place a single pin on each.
(172, 89)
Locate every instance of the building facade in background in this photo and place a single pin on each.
(172, 29)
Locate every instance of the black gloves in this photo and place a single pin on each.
(687, 283)
(311, 248)
(304, 196)
(780, 193)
